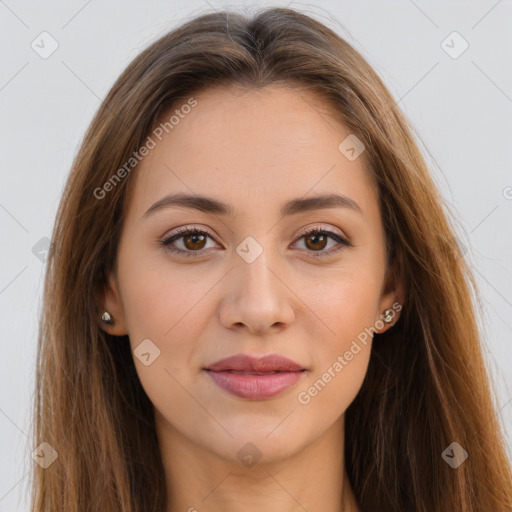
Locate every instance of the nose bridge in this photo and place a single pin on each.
(258, 265)
(257, 295)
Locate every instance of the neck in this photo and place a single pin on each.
(198, 479)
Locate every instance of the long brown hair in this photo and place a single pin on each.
(426, 385)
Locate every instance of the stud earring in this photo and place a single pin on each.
(388, 316)
(106, 318)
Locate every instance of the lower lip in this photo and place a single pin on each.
(255, 387)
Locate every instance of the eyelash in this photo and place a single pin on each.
(194, 231)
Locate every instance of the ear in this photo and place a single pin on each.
(393, 296)
(111, 301)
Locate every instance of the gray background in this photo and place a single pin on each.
(461, 108)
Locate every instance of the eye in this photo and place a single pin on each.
(193, 241)
(317, 239)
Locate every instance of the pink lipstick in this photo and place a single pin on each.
(255, 378)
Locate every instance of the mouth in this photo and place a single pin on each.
(244, 363)
(255, 386)
(253, 378)
(238, 372)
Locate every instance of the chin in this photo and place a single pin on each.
(252, 446)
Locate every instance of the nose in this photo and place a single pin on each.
(257, 298)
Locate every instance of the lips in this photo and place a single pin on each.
(251, 365)
(255, 379)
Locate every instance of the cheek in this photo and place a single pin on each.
(341, 356)
(159, 297)
(340, 365)
(169, 306)
(346, 303)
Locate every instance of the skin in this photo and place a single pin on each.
(254, 150)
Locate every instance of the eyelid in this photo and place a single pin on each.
(318, 227)
(186, 230)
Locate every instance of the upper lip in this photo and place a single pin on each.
(246, 363)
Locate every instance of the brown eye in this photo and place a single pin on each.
(316, 241)
(194, 241)
(187, 242)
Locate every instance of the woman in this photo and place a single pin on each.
(254, 297)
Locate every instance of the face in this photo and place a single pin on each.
(251, 280)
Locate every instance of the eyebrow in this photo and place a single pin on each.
(292, 207)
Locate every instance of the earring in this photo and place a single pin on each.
(106, 318)
(388, 316)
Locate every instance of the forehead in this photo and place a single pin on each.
(252, 148)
